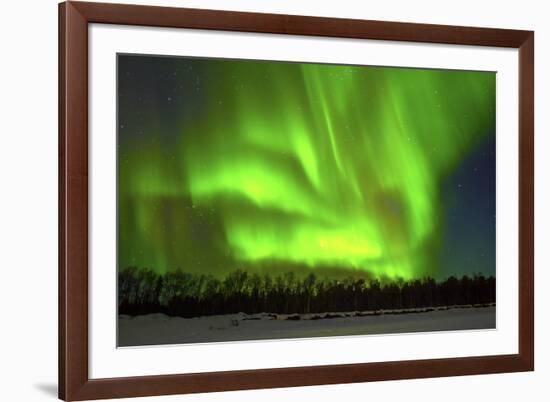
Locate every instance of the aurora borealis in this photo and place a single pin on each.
(232, 163)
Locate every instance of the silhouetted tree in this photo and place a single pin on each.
(143, 291)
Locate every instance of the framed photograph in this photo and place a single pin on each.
(258, 200)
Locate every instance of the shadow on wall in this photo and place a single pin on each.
(47, 389)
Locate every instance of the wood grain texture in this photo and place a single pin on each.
(526, 201)
(298, 25)
(73, 200)
(74, 382)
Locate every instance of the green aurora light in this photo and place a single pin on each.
(276, 164)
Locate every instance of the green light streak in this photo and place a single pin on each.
(301, 163)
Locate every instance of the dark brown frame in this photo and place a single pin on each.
(74, 383)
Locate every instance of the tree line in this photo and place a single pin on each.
(184, 294)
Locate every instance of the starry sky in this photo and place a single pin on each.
(276, 166)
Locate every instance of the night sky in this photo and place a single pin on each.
(272, 166)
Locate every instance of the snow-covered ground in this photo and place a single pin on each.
(158, 329)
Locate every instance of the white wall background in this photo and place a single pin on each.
(28, 199)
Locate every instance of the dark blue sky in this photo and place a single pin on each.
(469, 200)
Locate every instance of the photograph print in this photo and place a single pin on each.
(273, 200)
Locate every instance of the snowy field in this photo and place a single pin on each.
(159, 329)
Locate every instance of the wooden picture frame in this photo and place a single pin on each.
(74, 381)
